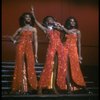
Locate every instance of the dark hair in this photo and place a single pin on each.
(68, 24)
(44, 23)
(22, 19)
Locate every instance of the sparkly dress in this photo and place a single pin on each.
(24, 74)
(71, 52)
(46, 78)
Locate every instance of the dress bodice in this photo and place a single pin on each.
(71, 39)
(54, 36)
(26, 36)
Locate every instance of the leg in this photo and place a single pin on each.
(62, 69)
(68, 76)
(55, 72)
(32, 79)
(45, 78)
(76, 74)
(18, 75)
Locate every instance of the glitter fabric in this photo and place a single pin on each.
(70, 50)
(24, 73)
(55, 45)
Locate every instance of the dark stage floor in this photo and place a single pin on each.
(90, 93)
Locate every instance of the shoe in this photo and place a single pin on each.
(55, 90)
(39, 92)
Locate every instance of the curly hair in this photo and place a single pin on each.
(22, 19)
(68, 24)
(45, 20)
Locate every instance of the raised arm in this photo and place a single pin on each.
(35, 44)
(39, 25)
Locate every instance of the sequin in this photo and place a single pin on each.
(21, 80)
(55, 45)
(70, 48)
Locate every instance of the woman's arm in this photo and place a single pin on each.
(79, 45)
(35, 43)
(39, 25)
(63, 28)
(66, 30)
(13, 38)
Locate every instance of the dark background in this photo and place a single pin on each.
(85, 11)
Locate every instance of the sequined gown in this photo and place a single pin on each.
(71, 52)
(24, 74)
(46, 77)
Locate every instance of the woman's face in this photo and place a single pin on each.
(50, 20)
(27, 18)
(72, 22)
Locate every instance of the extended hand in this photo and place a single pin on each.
(57, 24)
(13, 40)
(32, 10)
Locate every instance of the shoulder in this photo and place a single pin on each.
(19, 29)
(78, 32)
(34, 29)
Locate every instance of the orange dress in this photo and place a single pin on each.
(70, 50)
(54, 46)
(24, 73)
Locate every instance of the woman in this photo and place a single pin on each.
(24, 78)
(72, 51)
(55, 45)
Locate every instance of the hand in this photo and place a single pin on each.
(13, 40)
(36, 59)
(57, 24)
(80, 59)
(32, 11)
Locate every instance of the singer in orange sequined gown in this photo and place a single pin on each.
(24, 78)
(55, 45)
(72, 53)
